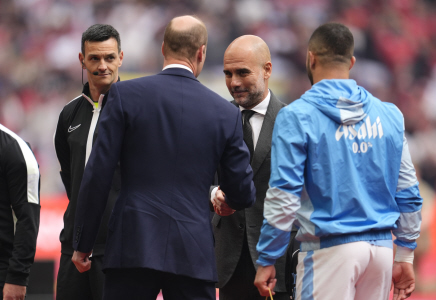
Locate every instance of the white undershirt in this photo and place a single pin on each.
(178, 66)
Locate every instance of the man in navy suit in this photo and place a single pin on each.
(169, 133)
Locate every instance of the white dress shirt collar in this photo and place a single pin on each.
(178, 66)
(262, 107)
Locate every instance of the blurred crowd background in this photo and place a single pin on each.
(395, 47)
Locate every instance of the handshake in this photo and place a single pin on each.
(219, 204)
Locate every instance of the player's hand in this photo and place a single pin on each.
(219, 204)
(14, 292)
(81, 261)
(403, 280)
(265, 280)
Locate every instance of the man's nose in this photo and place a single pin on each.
(102, 66)
(235, 81)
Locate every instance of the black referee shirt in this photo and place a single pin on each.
(19, 208)
(77, 121)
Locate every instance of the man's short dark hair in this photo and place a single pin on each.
(332, 43)
(100, 33)
(185, 43)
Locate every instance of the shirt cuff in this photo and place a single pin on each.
(404, 254)
(264, 262)
(213, 193)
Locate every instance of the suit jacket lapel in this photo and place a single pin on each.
(263, 146)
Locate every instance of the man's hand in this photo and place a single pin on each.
(403, 280)
(219, 204)
(14, 292)
(265, 280)
(81, 261)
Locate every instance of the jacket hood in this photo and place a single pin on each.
(342, 100)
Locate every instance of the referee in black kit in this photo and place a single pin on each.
(77, 128)
(19, 213)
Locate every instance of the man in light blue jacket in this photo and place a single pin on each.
(349, 151)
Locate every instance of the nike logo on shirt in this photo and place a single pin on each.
(73, 128)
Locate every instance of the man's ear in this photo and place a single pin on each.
(81, 59)
(352, 62)
(312, 60)
(267, 67)
(162, 49)
(201, 53)
(121, 58)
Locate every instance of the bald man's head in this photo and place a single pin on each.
(184, 36)
(247, 66)
(252, 45)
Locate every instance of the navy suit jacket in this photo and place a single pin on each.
(169, 133)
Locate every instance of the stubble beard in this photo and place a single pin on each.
(253, 97)
(251, 100)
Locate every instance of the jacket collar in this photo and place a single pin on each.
(263, 146)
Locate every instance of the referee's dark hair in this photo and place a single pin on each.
(332, 43)
(185, 43)
(100, 33)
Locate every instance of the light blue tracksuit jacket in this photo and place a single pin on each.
(348, 149)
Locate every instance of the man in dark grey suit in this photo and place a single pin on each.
(247, 67)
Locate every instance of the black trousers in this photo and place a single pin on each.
(241, 284)
(145, 284)
(73, 285)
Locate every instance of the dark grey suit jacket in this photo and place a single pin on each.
(229, 231)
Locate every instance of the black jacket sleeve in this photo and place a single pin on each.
(63, 153)
(23, 181)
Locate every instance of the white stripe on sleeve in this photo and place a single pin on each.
(280, 208)
(32, 167)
